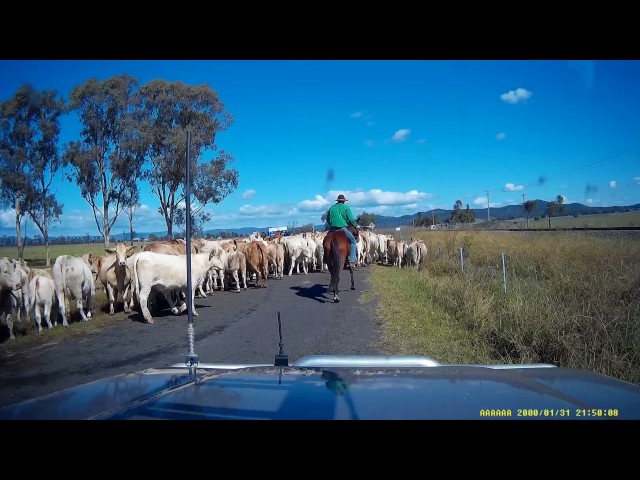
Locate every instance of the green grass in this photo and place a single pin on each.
(416, 325)
(35, 255)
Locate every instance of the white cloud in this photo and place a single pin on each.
(482, 202)
(369, 143)
(510, 187)
(318, 203)
(516, 96)
(501, 136)
(364, 116)
(612, 184)
(401, 135)
(636, 180)
(8, 219)
(249, 194)
(262, 211)
(422, 141)
(377, 197)
(589, 201)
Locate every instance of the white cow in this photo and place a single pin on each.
(235, 266)
(73, 278)
(276, 258)
(23, 272)
(412, 255)
(42, 295)
(10, 285)
(169, 272)
(297, 251)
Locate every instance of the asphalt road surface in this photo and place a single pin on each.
(237, 328)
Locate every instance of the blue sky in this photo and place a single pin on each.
(399, 136)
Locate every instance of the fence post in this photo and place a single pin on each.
(461, 259)
(504, 272)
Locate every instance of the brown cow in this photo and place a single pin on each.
(258, 261)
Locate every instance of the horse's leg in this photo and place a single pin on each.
(353, 287)
(337, 262)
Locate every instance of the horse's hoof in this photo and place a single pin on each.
(336, 300)
(352, 287)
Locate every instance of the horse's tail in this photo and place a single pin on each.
(335, 255)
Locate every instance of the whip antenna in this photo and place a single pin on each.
(190, 358)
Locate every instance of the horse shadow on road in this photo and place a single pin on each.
(315, 292)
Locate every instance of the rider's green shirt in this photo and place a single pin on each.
(340, 215)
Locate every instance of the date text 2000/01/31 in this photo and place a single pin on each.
(551, 412)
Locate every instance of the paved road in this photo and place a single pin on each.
(231, 327)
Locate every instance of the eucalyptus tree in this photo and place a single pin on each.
(131, 207)
(529, 207)
(169, 110)
(108, 160)
(30, 162)
(555, 208)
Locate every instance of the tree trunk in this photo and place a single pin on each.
(45, 235)
(169, 229)
(106, 236)
(131, 231)
(18, 235)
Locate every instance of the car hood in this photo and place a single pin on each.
(290, 392)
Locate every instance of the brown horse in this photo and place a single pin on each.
(336, 253)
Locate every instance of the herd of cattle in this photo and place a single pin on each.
(131, 275)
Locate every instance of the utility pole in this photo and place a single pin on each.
(488, 206)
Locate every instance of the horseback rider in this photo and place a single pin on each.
(338, 217)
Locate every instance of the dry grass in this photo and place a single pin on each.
(571, 300)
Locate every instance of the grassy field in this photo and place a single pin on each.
(608, 220)
(571, 300)
(35, 256)
(605, 220)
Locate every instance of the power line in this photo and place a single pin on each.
(599, 162)
(543, 179)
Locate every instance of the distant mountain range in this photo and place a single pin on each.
(508, 212)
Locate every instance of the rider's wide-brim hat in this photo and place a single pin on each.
(341, 198)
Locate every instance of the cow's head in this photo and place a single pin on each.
(122, 252)
(9, 276)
